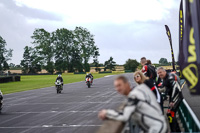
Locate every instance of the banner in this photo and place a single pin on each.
(189, 54)
(170, 41)
(181, 31)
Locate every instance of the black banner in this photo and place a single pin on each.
(170, 41)
(181, 31)
(189, 54)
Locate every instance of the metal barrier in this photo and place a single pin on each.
(188, 118)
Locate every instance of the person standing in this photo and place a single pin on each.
(141, 105)
(172, 83)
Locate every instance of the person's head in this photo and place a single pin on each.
(149, 62)
(161, 72)
(139, 77)
(122, 85)
(59, 75)
(143, 61)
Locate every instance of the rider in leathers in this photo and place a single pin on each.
(172, 83)
(60, 78)
(143, 108)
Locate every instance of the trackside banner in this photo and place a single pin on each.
(189, 55)
(170, 41)
(181, 31)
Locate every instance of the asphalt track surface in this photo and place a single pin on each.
(192, 100)
(73, 111)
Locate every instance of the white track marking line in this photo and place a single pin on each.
(73, 111)
(51, 126)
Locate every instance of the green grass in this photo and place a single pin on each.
(41, 81)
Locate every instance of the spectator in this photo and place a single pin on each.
(140, 79)
(172, 83)
(149, 62)
(141, 104)
(148, 70)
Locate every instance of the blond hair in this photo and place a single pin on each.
(143, 78)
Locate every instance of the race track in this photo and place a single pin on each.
(73, 111)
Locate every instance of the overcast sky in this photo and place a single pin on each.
(123, 28)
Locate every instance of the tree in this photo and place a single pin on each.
(86, 42)
(44, 47)
(96, 62)
(11, 65)
(62, 40)
(110, 64)
(5, 55)
(163, 61)
(131, 64)
(31, 62)
(76, 60)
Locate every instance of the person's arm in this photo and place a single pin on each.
(127, 111)
(144, 70)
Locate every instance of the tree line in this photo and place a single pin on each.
(62, 50)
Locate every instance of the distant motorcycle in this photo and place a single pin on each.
(59, 86)
(88, 82)
(1, 101)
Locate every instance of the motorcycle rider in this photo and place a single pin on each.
(148, 70)
(172, 83)
(89, 75)
(141, 106)
(60, 78)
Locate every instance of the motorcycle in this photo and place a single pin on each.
(59, 86)
(88, 82)
(1, 101)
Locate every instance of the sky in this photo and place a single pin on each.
(123, 29)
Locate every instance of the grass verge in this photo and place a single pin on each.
(41, 81)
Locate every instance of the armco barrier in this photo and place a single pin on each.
(128, 71)
(188, 118)
(9, 79)
(79, 72)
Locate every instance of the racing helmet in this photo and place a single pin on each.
(59, 75)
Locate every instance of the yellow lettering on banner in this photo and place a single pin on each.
(190, 76)
(181, 15)
(191, 50)
(168, 33)
(192, 41)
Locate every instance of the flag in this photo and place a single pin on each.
(170, 41)
(189, 54)
(181, 31)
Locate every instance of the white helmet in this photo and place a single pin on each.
(59, 75)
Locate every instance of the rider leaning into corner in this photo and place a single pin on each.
(141, 106)
(172, 83)
(60, 78)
